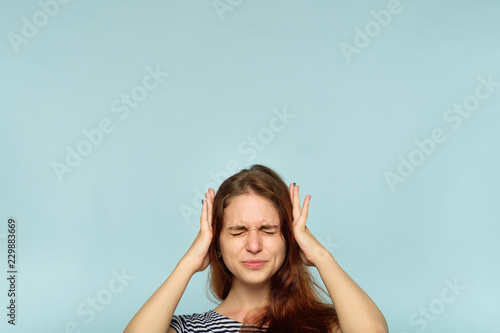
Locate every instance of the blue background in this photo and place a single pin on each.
(131, 206)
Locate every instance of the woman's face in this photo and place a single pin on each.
(251, 243)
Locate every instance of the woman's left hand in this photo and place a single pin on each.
(311, 248)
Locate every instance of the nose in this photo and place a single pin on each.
(254, 241)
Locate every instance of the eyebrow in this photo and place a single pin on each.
(264, 226)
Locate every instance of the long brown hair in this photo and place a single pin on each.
(295, 303)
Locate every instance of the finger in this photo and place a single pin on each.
(296, 203)
(210, 204)
(203, 213)
(292, 185)
(305, 211)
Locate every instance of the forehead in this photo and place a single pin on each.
(250, 210)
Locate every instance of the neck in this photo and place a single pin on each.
(242, 299)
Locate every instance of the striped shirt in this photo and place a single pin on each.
(206, 322)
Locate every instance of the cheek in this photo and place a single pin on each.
(280, 249)
(229, 246)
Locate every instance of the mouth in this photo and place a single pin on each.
(254, 264)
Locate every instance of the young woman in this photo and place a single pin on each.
(253, 234)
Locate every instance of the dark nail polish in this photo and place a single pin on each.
(202, 202)
(294, 184)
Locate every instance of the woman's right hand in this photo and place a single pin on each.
(197, 256)
(156, 314)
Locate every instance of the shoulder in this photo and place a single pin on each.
(208, 322)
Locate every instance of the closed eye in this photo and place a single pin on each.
(266, 232)
(240, 230)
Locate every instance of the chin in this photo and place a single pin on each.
(256, 278)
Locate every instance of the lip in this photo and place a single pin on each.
(254, 264)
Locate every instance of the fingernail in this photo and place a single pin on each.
(294, 184)
(202, 202)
